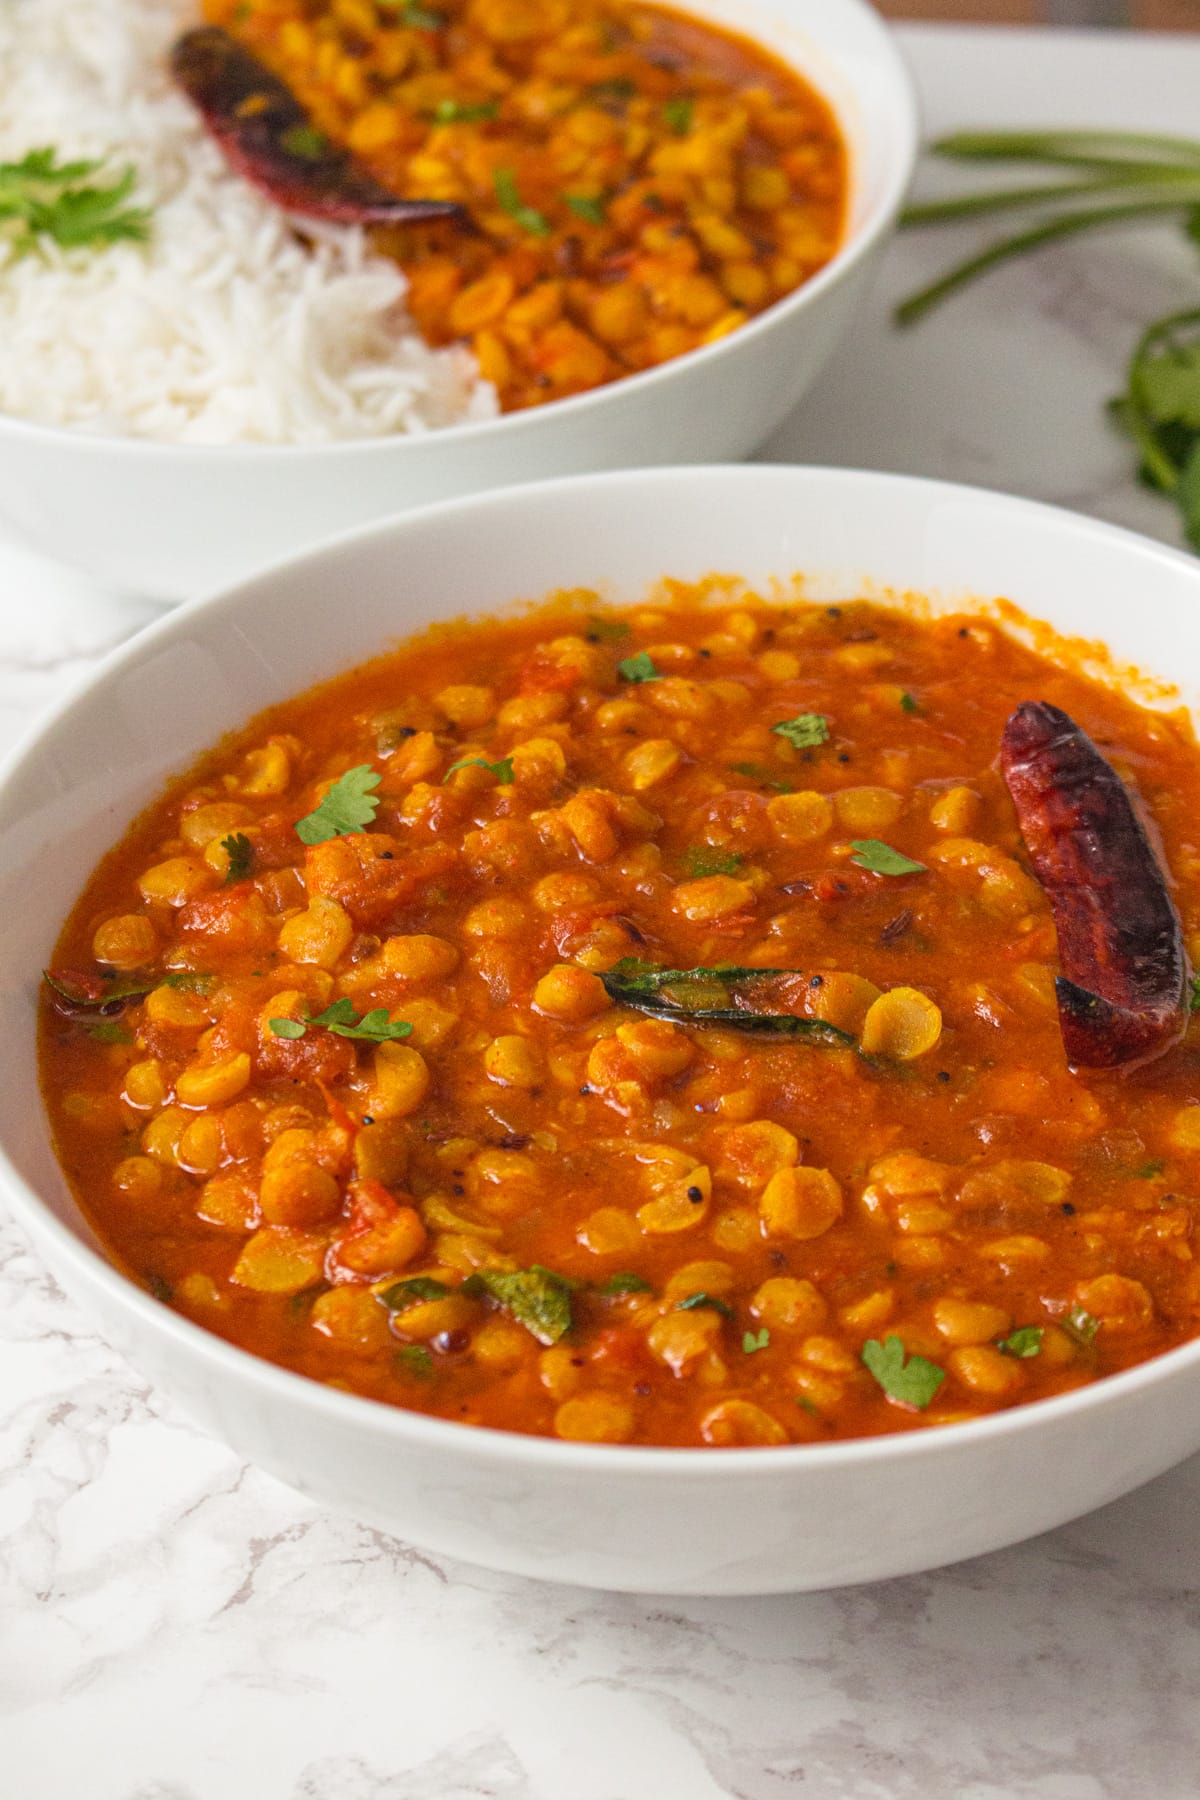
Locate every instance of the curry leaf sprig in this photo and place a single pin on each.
(709, 996)
(1119, 178)
(41, 197)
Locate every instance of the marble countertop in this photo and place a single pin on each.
(175, 1625)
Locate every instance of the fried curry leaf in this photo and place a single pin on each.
(502, 770)
(881, 859)
(536, 1298)
(638, 668)
(410, 1291)
(240, 851)
(805, 731)
(508, 194)
(708, 996)
(705, 1302)
(913, 1382)
(1025, 1341)
(348, 806)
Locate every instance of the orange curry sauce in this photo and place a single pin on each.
(638, 183)
(615, 1226)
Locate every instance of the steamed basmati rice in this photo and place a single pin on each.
(223, 328)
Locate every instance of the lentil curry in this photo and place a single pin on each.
(419, 1039)
(629, 183)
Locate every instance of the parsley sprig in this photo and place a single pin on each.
(41, 197)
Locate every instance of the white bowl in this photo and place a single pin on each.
(680, 1521)
(171, 521)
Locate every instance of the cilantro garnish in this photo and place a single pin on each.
(347, 807)
(1149, 1170)
(41, 197)
(410, 1291)
(508, 194)
(414, 1358)
(415, 17)
(607, 631)
(241, 857)
(618, 89)
(502, 770)
(752, 1341)
(588, 207)
(913, 1383)
(678, 114)
(908, 704)
(536, 1298)
(638, 668)
(1025, 1341)
(705, 1302)
(374, 1027)
(881, 859)
(464, 112)
(108, 1031)
(701, 859)
(1080, 1325)
(805, 731)
(624, 1282)
(756, 772)
(1194, 995)
(304, 141)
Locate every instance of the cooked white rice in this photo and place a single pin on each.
(223, 328)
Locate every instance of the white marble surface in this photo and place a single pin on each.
(177, 1626)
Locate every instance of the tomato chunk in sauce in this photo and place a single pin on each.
(418, 1038)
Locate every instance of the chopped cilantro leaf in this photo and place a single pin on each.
(913, 1383)
(464, 112)
(608, 631)
(305, 142)
(536, 1298)
(287, 1028)
(415, 1359)
(240, 852)
(618, 89)
(1149, 1170)
(108, 1031)
(805, 731)
(756, 772)
(1194, 995)
(705, 1302)
(588, 207)
(508, 194)
(1080, 1325)
(752, 1341)
(348, 806)
(638, 668)
(192, 981)
(701, 860)
(908, 704)
(624, 1282)
(678, 114)
(415, 17)
(502, 770)
(1025, 1341)
(409, 1292)
(41, 197)
(881, 859)
(161, 1289)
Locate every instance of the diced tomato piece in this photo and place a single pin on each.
(372, 874)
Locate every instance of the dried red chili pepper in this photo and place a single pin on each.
(1122, 992)
(268, 137)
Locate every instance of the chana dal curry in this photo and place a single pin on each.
(578, 189)
(642, 1026)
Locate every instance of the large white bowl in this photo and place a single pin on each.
(680, 1521)
(170, 520)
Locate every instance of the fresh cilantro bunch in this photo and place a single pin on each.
(41, 197)
(1117, 177)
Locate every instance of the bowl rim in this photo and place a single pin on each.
(450, 1437)
(855, 246)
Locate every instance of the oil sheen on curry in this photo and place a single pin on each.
(699, 1024)
(578, 189)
